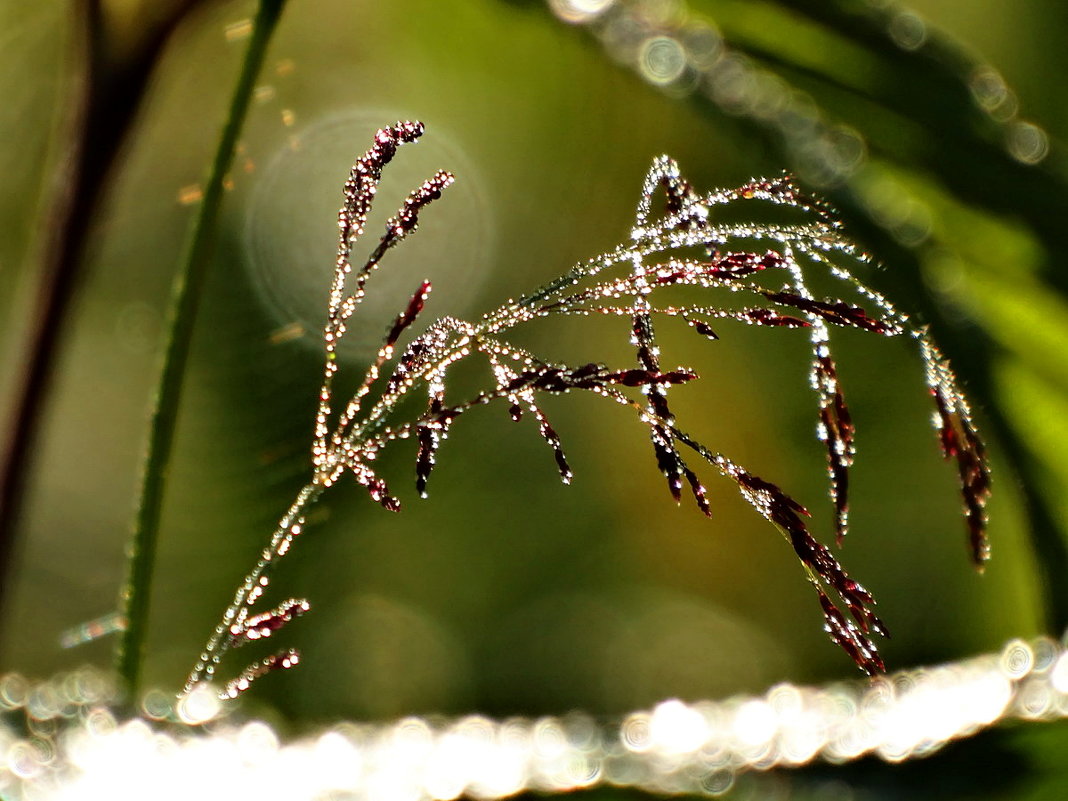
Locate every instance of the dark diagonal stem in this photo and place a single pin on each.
(101, 103)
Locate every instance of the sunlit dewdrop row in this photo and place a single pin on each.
(58, 739)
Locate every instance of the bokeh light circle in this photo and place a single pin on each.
(291, 230)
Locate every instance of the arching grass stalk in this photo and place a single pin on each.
(188, 283)
(677, 241)
(977, 166)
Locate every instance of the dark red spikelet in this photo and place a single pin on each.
(429, 434)
(677, 191)
(591, 376)
(787, 514)
(645, 378)
(836, 312)
(779, 189)
(548, 433)
(407, 219)
(367, 171)
(960, 441)
(283, 660)
(424, 458)
(557, 379)
(263, 625)
(782, 190)
(702, 328)
(698, 490)
(739, 265)
(836, 430)
(844, 633)
(407, 364)
(667, 455)
(407, 317)
(376, 487)
(755, 484)
(770, 317)
(668, 460)
(857, 599)
(379, 492)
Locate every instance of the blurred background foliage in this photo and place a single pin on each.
(505, 591)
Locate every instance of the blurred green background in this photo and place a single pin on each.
(506, 592)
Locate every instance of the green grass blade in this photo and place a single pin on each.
(188, 283)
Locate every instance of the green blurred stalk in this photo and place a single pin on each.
(100, 105)
(185, 298)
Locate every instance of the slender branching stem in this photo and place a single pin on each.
(248, 592)
(188, 283)
(348, 441)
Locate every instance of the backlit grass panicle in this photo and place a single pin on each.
(676, 241)
(960, 441)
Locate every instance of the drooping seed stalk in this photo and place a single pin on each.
(349, 441)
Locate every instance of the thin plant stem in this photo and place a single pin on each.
(188, 283)
(63, 231)
(100, 104)
(288, 528)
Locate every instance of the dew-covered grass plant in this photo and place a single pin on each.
(758, 274)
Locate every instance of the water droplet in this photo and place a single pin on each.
(908, 30)
(199, 705)
(236, 31)
(579, 11)
(1027, 143)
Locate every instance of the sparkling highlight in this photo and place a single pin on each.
(79, 749)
